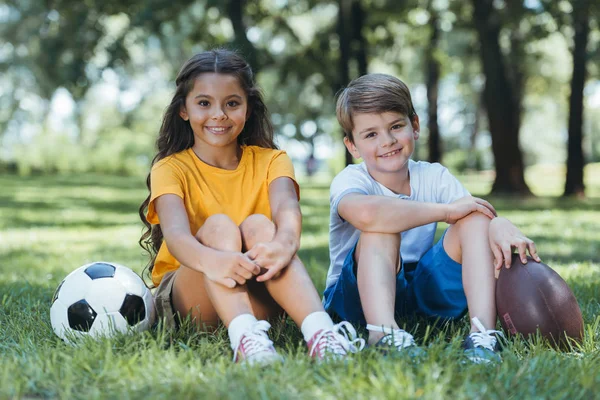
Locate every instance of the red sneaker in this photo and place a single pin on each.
(255, 347)
(335, 343)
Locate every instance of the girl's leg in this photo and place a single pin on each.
(378, 263)
(466, 242)
(207, 301)
(293, 289)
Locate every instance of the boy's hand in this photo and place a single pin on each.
(272, 256)
(231, 269)
(466, 205)
(504, 236)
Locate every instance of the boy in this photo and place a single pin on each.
(384, 213)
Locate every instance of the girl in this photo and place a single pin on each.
(225, 201)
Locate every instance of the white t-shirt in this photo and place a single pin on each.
(431, 183)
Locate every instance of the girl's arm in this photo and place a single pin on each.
(371, 213)
(286, 215)
(218, 266)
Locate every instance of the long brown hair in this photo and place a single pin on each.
(176, 134)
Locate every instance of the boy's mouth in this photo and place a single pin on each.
(390, 153)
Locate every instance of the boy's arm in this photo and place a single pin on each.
(287, 217)
(372, 213)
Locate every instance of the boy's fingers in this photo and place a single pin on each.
(487, 205)
(485, 211)
(497, 257)
(507, 253)
(522, 248)
(533, 251)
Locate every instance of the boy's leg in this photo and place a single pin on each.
(208, 301)
(466, 242)
(377, 258)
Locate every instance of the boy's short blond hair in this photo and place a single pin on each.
(372, 94)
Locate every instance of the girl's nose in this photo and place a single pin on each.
(219, 114)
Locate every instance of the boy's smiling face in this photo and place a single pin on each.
(384, 141)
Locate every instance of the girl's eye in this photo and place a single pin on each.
(233, 103)
(203, 103)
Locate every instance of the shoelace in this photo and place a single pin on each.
(339, 340)
(255, 340)
(484, 338)
(396, 337)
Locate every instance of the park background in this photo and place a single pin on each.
(508, 93)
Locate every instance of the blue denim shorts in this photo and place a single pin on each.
(431, 287)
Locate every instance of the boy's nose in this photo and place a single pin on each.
(389, 140)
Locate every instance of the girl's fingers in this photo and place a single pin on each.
(227, 282)
(268, 275)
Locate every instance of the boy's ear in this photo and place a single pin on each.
(183, 113)
(351, 147)
(416, 126)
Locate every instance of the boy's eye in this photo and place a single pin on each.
(396, 126)
(370, 135)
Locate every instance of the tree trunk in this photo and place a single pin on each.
(433, 81)
(344, 39)
(235, 12)
(574, 184)
(502, 110)
(358, 18)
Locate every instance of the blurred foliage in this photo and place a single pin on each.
(84, 83)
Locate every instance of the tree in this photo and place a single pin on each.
(433, 82)
(502, 109)
(574, 184)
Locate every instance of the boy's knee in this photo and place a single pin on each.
(379, 243)
(473, 221)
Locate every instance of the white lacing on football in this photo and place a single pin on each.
(484, 338)
(398, 338)
(340, 340)
(256, 344)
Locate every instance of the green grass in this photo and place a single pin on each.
(51, 225)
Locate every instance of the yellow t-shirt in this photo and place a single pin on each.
(208, 190)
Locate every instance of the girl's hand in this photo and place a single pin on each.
(231, 269)
(466, 205)
(273, 256)
(504, 236)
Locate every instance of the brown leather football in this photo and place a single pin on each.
(534, 296)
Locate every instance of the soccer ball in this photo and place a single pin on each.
(100, 299)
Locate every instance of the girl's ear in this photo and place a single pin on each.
(183, 114)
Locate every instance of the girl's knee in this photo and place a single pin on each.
(257, 223)
(218, 226)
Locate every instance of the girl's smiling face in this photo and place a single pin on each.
(217, 108)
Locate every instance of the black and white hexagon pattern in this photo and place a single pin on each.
(99, 299)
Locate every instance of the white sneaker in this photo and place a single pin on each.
(255, 347)
(335, 343)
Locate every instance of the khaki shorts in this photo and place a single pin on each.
(163, 302)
